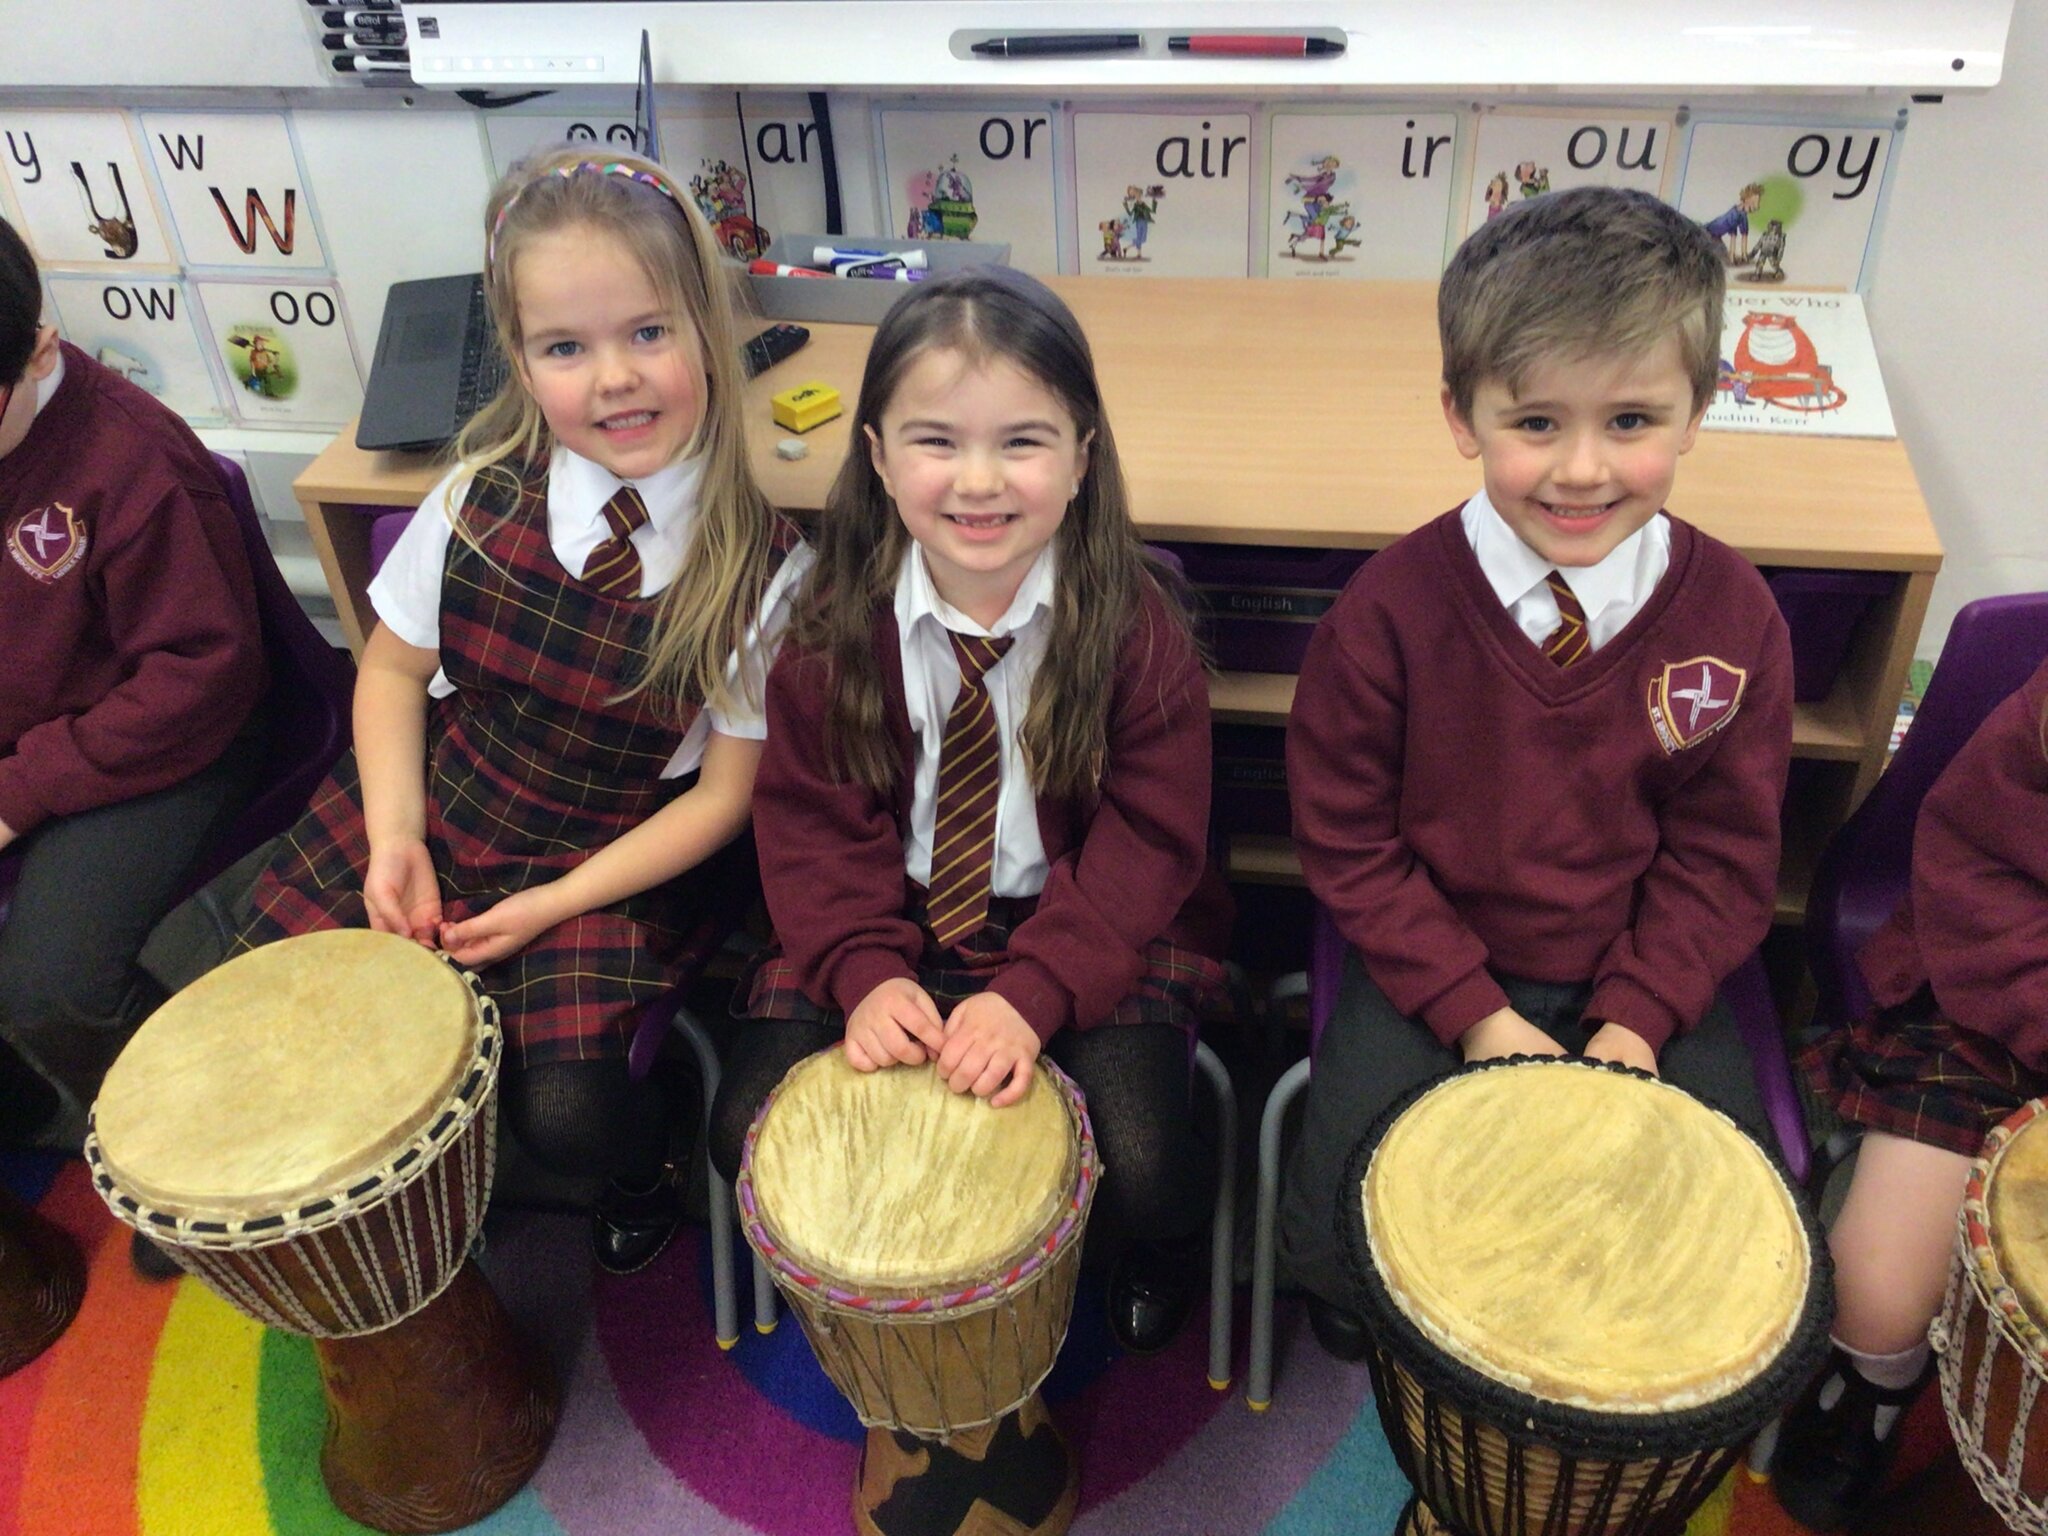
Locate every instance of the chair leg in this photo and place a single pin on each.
(1258, 1390)
(764, 1298)
(718, 1197)
(1223, 1227)
(1273, 1028)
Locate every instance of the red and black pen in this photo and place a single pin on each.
(1257, 45)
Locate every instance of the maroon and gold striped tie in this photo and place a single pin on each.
(970, 773)
(614, 566)
(1570, 640)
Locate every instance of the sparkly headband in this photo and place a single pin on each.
(595, 167)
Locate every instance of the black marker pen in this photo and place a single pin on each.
(1057, 43)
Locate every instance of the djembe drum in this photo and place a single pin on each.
(1586, 1292)
(309, 1129)
(929, 1244)
(1990, 1335)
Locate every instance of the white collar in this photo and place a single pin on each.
(1513, 569)
(918, 598)
(670, 492)
(46, 389)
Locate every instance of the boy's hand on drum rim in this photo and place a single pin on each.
(896, 1023)
(1506, 1033)
(1620, 1044)
(988, 1043)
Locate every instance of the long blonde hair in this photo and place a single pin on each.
(985, 314)
(707, 610)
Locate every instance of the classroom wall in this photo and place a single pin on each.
(1941, 235)
(1961, 318)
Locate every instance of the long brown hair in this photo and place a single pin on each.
(985, 314)
(706, 611)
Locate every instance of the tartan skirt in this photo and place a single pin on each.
(1175, 987)
(1913, 1073)
(572, 994)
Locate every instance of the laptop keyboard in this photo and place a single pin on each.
(483, 365)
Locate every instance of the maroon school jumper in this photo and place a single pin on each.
(532, 767)
(1131, 914)
(127, 614)
(1960, 971)
(1464, 805)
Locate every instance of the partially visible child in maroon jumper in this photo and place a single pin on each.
(982, 515)
(1960, 977)
(134, 658)
(1538, 746)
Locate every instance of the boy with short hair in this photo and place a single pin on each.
(133, 657)
(1538, 745)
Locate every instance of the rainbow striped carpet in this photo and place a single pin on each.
(164, 1413)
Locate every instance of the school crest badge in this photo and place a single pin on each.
(1690, 700)
(47, 542)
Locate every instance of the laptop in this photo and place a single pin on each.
(437, 361)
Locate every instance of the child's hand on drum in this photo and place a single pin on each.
(401, 893)
(1506, 1033)
(502, 930)
(897, 1022)
(1618, 1043)
(987, 1043)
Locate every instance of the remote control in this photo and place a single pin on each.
(772, 346)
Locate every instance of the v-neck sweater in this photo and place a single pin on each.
(1465, 807)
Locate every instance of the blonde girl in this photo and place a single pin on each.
(558, 716)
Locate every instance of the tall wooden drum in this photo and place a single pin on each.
(309, 1129)
(1586, 1292)
(1992, 1335)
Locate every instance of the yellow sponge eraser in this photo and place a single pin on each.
(805, 406)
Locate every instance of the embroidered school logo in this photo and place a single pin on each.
(47, 542)
(1690, 700)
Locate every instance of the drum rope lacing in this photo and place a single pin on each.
(211, 1246)
(2007, 1324)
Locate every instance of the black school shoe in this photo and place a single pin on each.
(1015, 1477)
(1152, 1289)
(630, 1228)
(1830, 1465)
(1340, 1332)
(151, 1259)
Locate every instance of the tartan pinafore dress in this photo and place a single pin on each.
(533, 763)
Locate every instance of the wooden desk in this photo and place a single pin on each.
(1306, 414)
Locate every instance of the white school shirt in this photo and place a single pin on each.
(931, 682)
(407, 589)
(1612, 592)
(47, 388)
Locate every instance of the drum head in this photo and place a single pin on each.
(1591, 1238)
(285, 1075)
(890, 1180)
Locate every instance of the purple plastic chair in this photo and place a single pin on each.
(1993, 647)
(306, 707)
